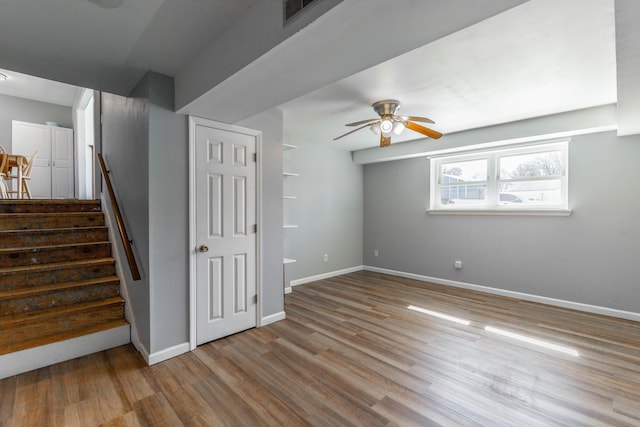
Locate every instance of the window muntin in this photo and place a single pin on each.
(532, 177)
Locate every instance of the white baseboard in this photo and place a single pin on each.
(168, 353)
(605, 311)
(287, 290)
(272, 318)
(35, 358)
(326, 275)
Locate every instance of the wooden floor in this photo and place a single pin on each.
(351, 353)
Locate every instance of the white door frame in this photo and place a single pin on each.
(193, 122)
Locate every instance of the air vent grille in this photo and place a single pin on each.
(294, 7)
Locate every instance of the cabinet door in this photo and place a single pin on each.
(62, 163)
(27, 138)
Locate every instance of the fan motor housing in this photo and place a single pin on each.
(388, 107)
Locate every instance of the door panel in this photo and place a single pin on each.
(62, 163)
(27, 138)
(226, 243)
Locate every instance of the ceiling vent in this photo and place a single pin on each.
(293, 7)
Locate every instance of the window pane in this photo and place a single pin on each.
(531, 193)
(469, 171)
(463, 195)
(531, 165)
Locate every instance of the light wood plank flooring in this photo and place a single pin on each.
(351, 353)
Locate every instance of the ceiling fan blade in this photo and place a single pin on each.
(418, 119)
(423, 130)
(350, 132)
(363, 122)
(385, 141)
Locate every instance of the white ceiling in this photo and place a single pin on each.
(109, 47)
(542, 57)
(539, 58)
(37, 89)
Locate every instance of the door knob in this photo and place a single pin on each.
(203, 248)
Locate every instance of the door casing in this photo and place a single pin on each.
(193, 122)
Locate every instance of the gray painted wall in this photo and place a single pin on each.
(328, 210)
(168, 216)
(270, 124)
(125, 135)
(589, 257)
(255, 33)
(26, 110)
(146, 144)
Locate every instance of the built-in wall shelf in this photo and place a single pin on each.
(288, 187)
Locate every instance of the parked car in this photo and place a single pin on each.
(511, 198)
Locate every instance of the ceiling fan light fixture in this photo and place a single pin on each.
(398, 127)
(375, 128)
(386, 126)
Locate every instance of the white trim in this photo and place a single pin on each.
(326, 275)
(193, 122)
(518, 211)
(135, 340)
(272, 318)
(588, 308)
(50, 354)
(168, 353)
(288, 290)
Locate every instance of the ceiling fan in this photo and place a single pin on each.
(389, 123)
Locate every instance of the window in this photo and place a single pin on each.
(510, 179)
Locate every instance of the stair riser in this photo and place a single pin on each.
(55, 328)
(33, 206)
(28, 279)
(59, 298)
(54, 254)
(41, 222)
(29, 238)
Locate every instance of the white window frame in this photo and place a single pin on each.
(492, 182)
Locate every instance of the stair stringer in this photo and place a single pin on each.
(125, 279)
(45, 355)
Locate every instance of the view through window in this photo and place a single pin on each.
(531, 177)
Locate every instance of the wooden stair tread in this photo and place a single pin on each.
(56, 230)
(47, 214)
(57, 265)
(36, 342)
(51, 247)
(34, 316)
(57, 273)
(9, 206)
(36, 290)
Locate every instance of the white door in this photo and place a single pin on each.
(27, 138)
(225, 215)
(62, 163)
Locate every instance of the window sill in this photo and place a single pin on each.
(520, 212)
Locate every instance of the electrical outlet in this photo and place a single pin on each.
(457, 265)
(375, 252)
(326, 257)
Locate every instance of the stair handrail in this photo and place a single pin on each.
(128, 250)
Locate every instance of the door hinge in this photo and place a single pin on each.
(255, 157)
(255, 299)
(255, 228)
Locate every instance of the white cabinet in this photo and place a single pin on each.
(52, 174)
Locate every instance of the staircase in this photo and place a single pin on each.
(57, 276)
